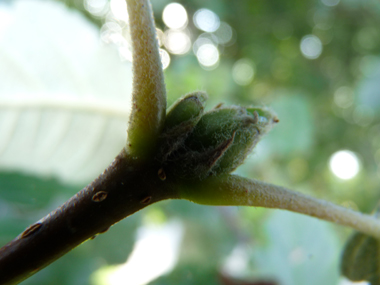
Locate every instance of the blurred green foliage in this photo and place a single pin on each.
(313, 125)
(360, 259)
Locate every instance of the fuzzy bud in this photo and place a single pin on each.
(180, 121)
(224, 137)
(196, 145)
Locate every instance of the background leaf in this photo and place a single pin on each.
(64, 96)
(360, 259)
(293, 252)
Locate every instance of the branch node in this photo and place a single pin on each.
(161, 174)
(146, 200)
(31, 230)
(99, 196)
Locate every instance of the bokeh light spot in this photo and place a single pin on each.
(5, 20)
(344, 164)
(208, 55)
(125, 53)
(363, 115)
(205, 38)
(160, 36)
(96, 7)
(174, 16)
(236, 262)
(206, 20)
(119, 10)
(177, 42)
(224, 33)
(344, 97)
(311, 47)
(165, 58)
(243, 71)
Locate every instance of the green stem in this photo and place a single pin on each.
(233, 190)
(149, 93)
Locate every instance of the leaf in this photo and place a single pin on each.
(32, 192)
(300, 250)
(64, 97)
(23, 198)
(368, 87)
(360, 259)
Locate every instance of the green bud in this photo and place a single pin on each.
(254, 124)
(224, 137)
(180, 121)
(194, 145)
(186, 110)
(265, 118)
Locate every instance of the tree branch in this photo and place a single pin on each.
(124, 188)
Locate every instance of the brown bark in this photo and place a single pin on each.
(124, 188)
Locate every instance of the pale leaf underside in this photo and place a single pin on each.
(64, 96)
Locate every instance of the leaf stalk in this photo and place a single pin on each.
(232, 190)
(149, 94)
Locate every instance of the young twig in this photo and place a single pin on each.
(149, 93)
(232, 190)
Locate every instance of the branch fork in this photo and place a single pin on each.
(184, 154)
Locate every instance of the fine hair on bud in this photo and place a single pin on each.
(180, 121)
(196, 145)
